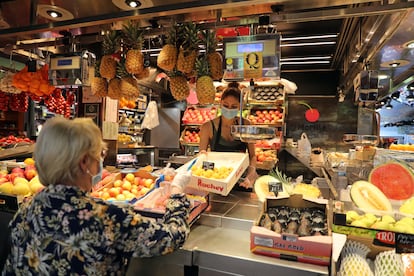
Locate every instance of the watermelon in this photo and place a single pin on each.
(394, 179)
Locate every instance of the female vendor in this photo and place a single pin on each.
(216, 133)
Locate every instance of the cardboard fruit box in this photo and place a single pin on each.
(308, 249)
(149, 207)
(238, 161)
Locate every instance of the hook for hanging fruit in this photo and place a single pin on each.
(312, 114)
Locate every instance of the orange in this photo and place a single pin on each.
(29, 161)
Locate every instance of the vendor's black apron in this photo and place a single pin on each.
(220, 144)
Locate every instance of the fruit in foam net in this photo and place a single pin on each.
(217, 173)
(368, 197)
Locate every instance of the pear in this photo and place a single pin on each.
(6, 188)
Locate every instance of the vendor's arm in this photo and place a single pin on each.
(205, 134)
(251, 170)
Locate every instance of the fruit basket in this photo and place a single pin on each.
(265, 94)
(194, 115)
(268, 116)
(190, 136)
(251, 134)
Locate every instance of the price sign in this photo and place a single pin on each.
(404, 243)
(208, 165)
(275, 187)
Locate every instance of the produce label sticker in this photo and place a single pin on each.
(253, 65)
(208, 165)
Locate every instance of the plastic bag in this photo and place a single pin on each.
(151, 116)
(304, 145)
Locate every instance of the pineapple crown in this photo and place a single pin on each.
(121, 70)
(209, 40)
(172, 35)
(190, 36)
(111, 42)
(202, 66)
(132, 35)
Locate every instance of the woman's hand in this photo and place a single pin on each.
(250, 178)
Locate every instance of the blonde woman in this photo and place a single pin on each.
(63, 231)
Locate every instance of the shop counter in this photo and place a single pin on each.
(219, 244)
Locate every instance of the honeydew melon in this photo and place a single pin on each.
(261, 187)
(369, 197)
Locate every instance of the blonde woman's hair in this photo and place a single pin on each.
(61, 145)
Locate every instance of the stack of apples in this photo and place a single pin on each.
(21, 181)
(266, 116)
(265, 155)
(198, 116)
(191, 136)
(127, 188)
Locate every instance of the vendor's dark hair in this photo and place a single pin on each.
(232, 90)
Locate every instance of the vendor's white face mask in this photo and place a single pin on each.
(97, 177)
(229, 113)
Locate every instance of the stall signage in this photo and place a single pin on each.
(275, 187)
(208, 165)
(253, 65)
(404, 243)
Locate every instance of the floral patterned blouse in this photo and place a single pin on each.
(63, 231)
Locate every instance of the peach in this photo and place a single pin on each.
(126, 185)
(118, 183)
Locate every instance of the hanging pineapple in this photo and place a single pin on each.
(179, 86)
(215, 60)
(99, 85)
(128, 85)
(167, 58)
(114, 88)
(110, 46)
(204, 85)
(134, 59)
(188, 51)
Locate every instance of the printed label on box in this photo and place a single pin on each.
(263, 241)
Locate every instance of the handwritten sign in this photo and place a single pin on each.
(208, 165)
(404, 243)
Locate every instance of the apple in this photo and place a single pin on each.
(29, 173)
(126, 185)
(137, 181)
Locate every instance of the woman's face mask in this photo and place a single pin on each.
(97, 177)
(229, 113)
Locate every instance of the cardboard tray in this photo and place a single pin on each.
(239, 162)
(199, 201)
(309, 249)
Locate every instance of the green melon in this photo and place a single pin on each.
(368, 197)
(394, 179)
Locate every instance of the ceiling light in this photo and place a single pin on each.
(409, 44)
(410, 97)
(308, 44)
(395, 95)
(54, 14)
(132, 3)
(395, 63)
(410, 86)
(309, 37)
(388, 105)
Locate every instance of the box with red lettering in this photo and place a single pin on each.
(294, 228)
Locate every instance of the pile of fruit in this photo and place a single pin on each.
(190, 136)
(198, 116)
(221, 172)
(11, 141)
(265, 155)
(127, 188)
(125, 138)
(21, 181)
(266, 116)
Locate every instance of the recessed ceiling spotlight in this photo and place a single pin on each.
(409, 44)
(132, 3)
(54, 13)
(395, 63)
(395, 95)
(410, 86)
(410, 97)
(388, 105)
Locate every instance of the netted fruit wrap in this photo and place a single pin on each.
(354, 247)
(6, 83)
(388, 263)
(355, 264)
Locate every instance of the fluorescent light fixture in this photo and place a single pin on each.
(305, 58)
(308, 44)
(305, 62)
(309, 37)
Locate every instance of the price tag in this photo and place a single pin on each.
(404, 243)
(208, 165)
(275, 187)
